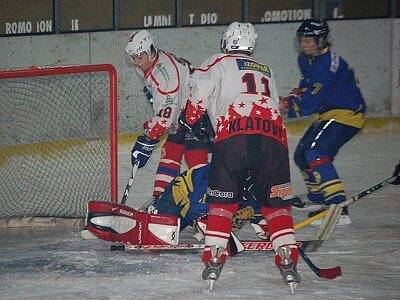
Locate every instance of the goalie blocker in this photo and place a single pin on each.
(122, 224)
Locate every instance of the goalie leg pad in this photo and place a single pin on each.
(120, 223)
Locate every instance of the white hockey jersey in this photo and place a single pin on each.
(168, 82)
(239, 95)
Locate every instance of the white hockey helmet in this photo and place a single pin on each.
(238, 37)
(138, 42)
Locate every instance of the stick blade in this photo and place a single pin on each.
(87, 235)
(331, 273)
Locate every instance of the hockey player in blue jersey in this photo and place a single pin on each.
(328, 91)
(185, 197)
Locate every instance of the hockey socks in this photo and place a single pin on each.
(280, 226)
(168, 167)
(196, 157)
(219, 226)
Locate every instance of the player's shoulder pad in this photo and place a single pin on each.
(165, 74)
(210, 63)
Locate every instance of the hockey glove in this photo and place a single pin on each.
(142, 150)
(289, 106)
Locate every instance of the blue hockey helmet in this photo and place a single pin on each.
(315, 28)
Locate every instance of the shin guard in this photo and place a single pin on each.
(323, 177)
(280, 228)
(168, 167)
(219, 227)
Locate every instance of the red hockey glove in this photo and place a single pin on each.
(289, 106)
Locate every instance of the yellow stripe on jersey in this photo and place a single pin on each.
(343, 116)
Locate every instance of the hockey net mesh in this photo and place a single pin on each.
(55, 144)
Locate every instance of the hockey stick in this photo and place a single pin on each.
(393, 180)
(248, 246)
(86, 234)
(130, 182)
(333, 214)
(328, 273)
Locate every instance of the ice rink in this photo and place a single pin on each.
(56, 263)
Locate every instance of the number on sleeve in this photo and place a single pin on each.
(165, 112)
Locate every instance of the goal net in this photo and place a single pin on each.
(58, 142)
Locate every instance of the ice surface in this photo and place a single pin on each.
(54, 263)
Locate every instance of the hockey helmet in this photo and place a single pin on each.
(138, 42)
(238, 37)
(314, 28)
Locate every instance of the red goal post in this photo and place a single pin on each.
(58, 142)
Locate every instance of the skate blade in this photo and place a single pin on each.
(210, 283)
(292, 286)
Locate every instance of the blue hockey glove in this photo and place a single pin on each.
(142, 150)
(288, 107)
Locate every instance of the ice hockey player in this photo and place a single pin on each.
(186, 198)
(328, 90)
(183, 204)
(166, 79)
(240, 97)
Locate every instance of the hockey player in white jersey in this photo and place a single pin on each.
(240, 96)
(166, 79)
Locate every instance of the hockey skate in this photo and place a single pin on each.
(287, 267)
(343, 220)
(213, 267)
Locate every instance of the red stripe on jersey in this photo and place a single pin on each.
(221, 58)
(149, 71)
(157, 83)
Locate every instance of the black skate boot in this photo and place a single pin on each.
(213, 267)
(288, 267)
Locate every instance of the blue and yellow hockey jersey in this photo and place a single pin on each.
(329, 89)
(186, 198)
